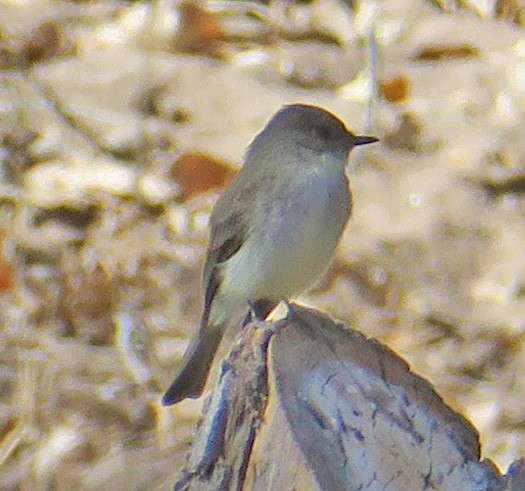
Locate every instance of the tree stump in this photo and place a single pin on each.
(309, 404)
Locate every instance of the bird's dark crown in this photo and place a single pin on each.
(303, 117)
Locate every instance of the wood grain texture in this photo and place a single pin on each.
(310, 404)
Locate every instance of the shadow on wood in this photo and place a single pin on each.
(310, 404)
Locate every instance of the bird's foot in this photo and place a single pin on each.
(260, 309)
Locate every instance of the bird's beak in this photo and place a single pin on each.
(364, 140)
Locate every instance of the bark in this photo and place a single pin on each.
(310, 404)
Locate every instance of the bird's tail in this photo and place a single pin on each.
(193, 373)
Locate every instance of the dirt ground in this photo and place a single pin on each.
(119, 123)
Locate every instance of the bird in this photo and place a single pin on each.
(273, 231)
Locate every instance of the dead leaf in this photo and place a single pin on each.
(395, 89)
(44, 42)
(197, 173)
(199, 31)
(434, 53)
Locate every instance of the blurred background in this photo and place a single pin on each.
(120, 121)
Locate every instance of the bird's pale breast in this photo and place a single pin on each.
(285, 258)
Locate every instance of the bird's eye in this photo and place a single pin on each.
(323, 132)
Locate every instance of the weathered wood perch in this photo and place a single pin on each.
(310, 404)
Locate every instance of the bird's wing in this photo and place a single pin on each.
(229, 230)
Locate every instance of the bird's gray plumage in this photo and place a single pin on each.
(274, 229)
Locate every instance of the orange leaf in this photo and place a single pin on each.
(197, 173)
(395, 89)
(199, 31)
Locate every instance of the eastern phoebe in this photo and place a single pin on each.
(273, 231)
